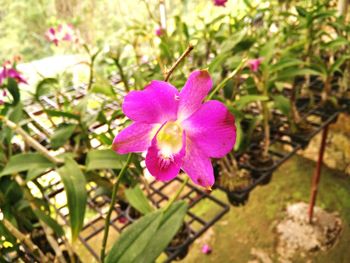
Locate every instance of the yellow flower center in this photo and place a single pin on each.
(169, 139)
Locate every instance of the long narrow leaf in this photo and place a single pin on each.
(134, 239)
(26, 161)
(171, 223)
(74, 185)
(138, 200)
(104, 159)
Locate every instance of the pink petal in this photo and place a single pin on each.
(193, 93)
(157, 103)
(198, 166)
(212, 128)
(135, 138)
(164, 170)
(206, 249)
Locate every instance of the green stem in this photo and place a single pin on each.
(176, 196)
(223, 83)
(122, 75)
(111, 206)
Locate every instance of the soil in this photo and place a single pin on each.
(297, 236)
(260, 162)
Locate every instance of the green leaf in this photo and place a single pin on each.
(284, 63)
(45, 87)
(34, 173)
(50, 222)
(245, 100)
(291, 73)
(74, 184)
(336, 43)
(104, 159)
(217, 62)
(171, 223)
(103, 88)
(135, 239)
(268, 50)
(12, 87)
(26, 161)
(301, 11)
(138, 200)
(239, 115)
(56, 113)
(61, 135)
(239, 137)
(338, 63)
(283, 104)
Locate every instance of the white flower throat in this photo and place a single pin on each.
(169, 140)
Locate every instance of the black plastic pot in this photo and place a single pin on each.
(180, 243)
(238, 198)
(132, 214)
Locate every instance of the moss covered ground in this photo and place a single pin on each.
(250, 228)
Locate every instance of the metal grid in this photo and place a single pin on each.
(159, 193)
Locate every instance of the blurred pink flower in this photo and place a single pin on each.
(206, 249)
(64, 32)
(9, 71)
(51, 36)
(254, 64)
(160, 31)
(220, 2)
(177, 129)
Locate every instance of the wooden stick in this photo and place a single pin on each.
(317, 174)
(30, 140)
(34, 249)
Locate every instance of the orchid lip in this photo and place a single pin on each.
(169, 140)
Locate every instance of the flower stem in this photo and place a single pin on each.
(178, 61)
(223, 83)
(122, 74)
(176, 196)
(111, 206)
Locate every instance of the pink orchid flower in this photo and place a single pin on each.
(177, 129)
(11, 72)
(160, 31)
(254, 64)
(220, 2)
(51, 36)
(64, 32)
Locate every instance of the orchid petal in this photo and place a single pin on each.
(164, 169)
(198, 166)
(157, 103)
(193, 93)
(135, 138)
(212, 128)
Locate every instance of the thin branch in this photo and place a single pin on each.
(178, 61)
(30, 140)
(34, 249)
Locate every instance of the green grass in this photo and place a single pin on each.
(252, 226)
